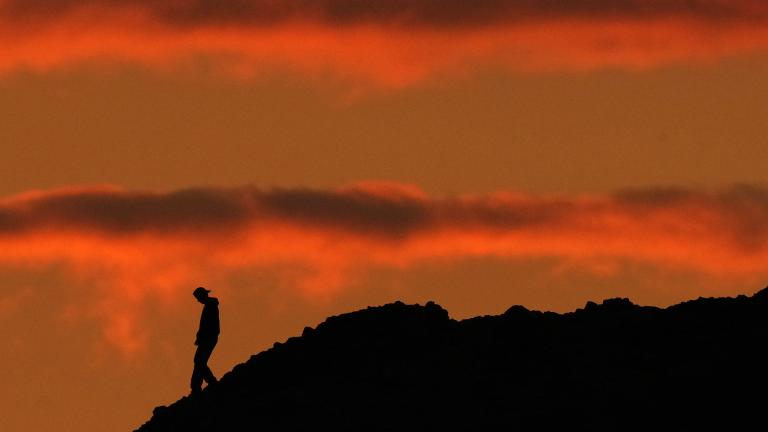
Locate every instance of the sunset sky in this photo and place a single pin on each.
(308, 158)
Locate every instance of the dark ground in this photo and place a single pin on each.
(699, 365)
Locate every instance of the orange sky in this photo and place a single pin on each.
(304, 159)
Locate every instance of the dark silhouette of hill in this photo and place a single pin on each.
(613, 366)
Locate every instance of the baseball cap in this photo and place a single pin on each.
(200, 291)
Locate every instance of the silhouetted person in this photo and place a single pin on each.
(207, 336)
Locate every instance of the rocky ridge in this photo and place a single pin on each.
(612, 366)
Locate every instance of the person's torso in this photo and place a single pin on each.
(209, 320)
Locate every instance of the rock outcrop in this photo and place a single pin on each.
(613, 366)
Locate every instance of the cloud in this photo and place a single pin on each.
(137, 247)
(382, 216)
(391, 44)
(433, 13)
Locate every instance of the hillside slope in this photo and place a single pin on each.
(613, 366)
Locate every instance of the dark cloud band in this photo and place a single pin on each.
(397, 12)
(739, 212)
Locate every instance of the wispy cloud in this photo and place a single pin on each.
(392, 43)
(412, 13)
(141, 246)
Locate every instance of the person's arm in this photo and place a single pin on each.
(199, 329)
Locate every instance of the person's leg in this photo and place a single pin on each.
(201, 370)
(196, 382)
(205, 370)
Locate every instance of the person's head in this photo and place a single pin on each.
(201, 294)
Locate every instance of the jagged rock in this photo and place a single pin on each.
(610, 366)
